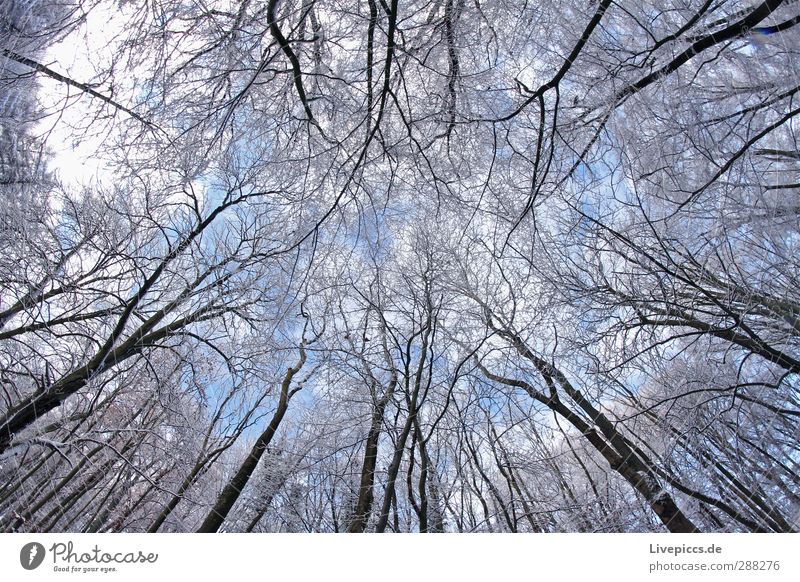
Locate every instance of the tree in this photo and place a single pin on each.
(399, 266)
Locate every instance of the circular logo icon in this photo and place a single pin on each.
(31, 555)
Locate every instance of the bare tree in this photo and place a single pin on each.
(399, 266)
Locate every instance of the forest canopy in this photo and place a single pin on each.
(399, 266)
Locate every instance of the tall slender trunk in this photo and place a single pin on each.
(612, 445)
(400, 446)
(233, 490)
(363, 508)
